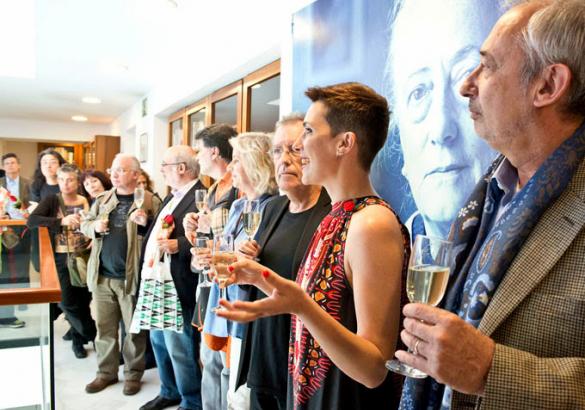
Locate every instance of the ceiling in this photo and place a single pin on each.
(115, 50)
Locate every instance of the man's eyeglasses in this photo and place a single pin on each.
(279, 151)
(112, 171)
(164, 164)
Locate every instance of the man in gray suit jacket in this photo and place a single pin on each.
(511, 334)
(15, 261)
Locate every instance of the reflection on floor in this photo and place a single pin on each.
(71, 376)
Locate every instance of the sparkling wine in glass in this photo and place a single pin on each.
(218, 221)
(139, 197)
(428, 275)
(201, 204)
(76, 211)
(251, 217)
(200, 199)
(82, 216)
(222, 255)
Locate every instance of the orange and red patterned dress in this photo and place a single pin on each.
(314, 380)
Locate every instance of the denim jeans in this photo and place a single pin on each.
(215, 381)
(177, 357)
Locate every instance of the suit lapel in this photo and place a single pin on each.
(187, 200)
(550, 238)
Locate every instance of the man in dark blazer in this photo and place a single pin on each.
(15, 261)
(177, 353)
(287, 227)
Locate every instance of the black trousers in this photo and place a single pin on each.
(264, 400)
(75, 303)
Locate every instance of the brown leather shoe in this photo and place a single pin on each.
(99, 384)
(131, 387)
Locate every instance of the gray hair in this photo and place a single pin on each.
(186, 154)
(254, 150)
(289, 118)
(135, 163)
(67, 168)
(555, 34)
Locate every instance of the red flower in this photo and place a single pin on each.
(12, 198)
(348, 206)
(168, 222)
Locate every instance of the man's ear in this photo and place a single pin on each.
(552, 85)
(347, 141)
(214, 152)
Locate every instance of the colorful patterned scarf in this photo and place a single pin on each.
(484, 250)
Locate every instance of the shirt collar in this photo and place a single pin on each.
(12, 181)
(180, 193)
(506, 176)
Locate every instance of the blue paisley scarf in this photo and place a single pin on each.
(484, 250)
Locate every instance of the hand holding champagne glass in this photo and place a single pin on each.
(251, 217)
(222, 256)
(428, 275)
(82, 213)
(104, 218)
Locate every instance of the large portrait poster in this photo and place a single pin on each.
(416, 53)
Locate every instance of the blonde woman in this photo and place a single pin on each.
(252, 171)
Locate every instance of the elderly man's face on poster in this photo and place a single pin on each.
(434, 45)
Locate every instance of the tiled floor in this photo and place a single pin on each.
(72, 374)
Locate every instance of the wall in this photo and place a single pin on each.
(168, 98)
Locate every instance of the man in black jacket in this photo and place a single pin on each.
(177, 353)
(288, 224)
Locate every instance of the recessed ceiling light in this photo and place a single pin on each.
(79, 118)
(91, 100)
(256, 86)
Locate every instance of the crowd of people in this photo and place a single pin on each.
(315, 297)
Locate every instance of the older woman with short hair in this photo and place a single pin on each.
(59, 212)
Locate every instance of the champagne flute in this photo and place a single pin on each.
(139, 197)
(202, 247)
(218, 220)
(251, 217)
(222, 255)
(200, 199)
(82, 216)
(201, 204)
(428, 275)
(77, 210)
